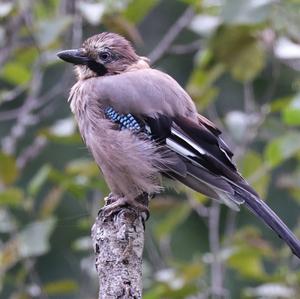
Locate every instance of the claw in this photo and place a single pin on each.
(113, 206)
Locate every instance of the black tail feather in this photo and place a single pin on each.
(269, 217)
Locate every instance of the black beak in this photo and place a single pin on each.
(74, 56)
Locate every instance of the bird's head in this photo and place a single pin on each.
(101, 55)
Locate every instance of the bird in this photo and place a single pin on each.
(139, 125)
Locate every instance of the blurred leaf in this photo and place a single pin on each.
(6, 8)
(83, 167)
(9, 254)
(250, 238)
(11, 197)
(85, 223)
(46, 9)
(49, 30)
(171, 277)
(83, 244)
(286, 49)
(200, 85)
(191, 271)
(250, 62)
(117, 23)
(15, 73)
(197, 3)
(247, 264)
(50, 202)
(285, 19)
(204, 24)
(137, 10)
(282, 148)
(165, 203)
(8, 222)
(238, 123)
(271, 290)
(38, 180)
(24, 4)
(239, 50)
(60, 287)
(164, 291)
(77, 188)
(33, 240)
(198, 197)
(27, 56)
(176, 216)
(248, 253)
(291, 113)
(2, 36)
(246, 11)
(69, 139)
(278, 105)
(63, 127)
(92, 12)
(248, 165)
(8, 169)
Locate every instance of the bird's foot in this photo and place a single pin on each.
(114, 204)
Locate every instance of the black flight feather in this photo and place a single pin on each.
(203, 162)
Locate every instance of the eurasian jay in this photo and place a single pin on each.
(139, 124)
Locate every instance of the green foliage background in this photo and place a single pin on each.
(238, 59)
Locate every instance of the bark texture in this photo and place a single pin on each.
(118, 240)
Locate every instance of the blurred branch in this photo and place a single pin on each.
(40, 102)
(249, 98)
(185, 48)
(25, 117)
(36, 287)
(258, 116)
(31, 151)
(11, 95)
(28, 22)
(267, 97)
(77, 29)
(199, 208)
(12, 31)
(171, 35)
(152, 251)
(118, 240)
(230, 225)
(217, 290)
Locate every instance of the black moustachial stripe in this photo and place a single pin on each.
(96, 67)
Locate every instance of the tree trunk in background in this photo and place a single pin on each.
(118, 241)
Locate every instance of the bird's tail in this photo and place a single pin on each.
(269, 217)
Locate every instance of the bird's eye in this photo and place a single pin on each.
(104, 55)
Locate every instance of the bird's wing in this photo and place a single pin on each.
(167, 110)
(142, 92)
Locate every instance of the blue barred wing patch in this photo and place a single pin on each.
(125, 121)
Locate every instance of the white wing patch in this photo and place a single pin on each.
(199, 149)
(179, 149)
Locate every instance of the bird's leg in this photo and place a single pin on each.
(113, 204)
